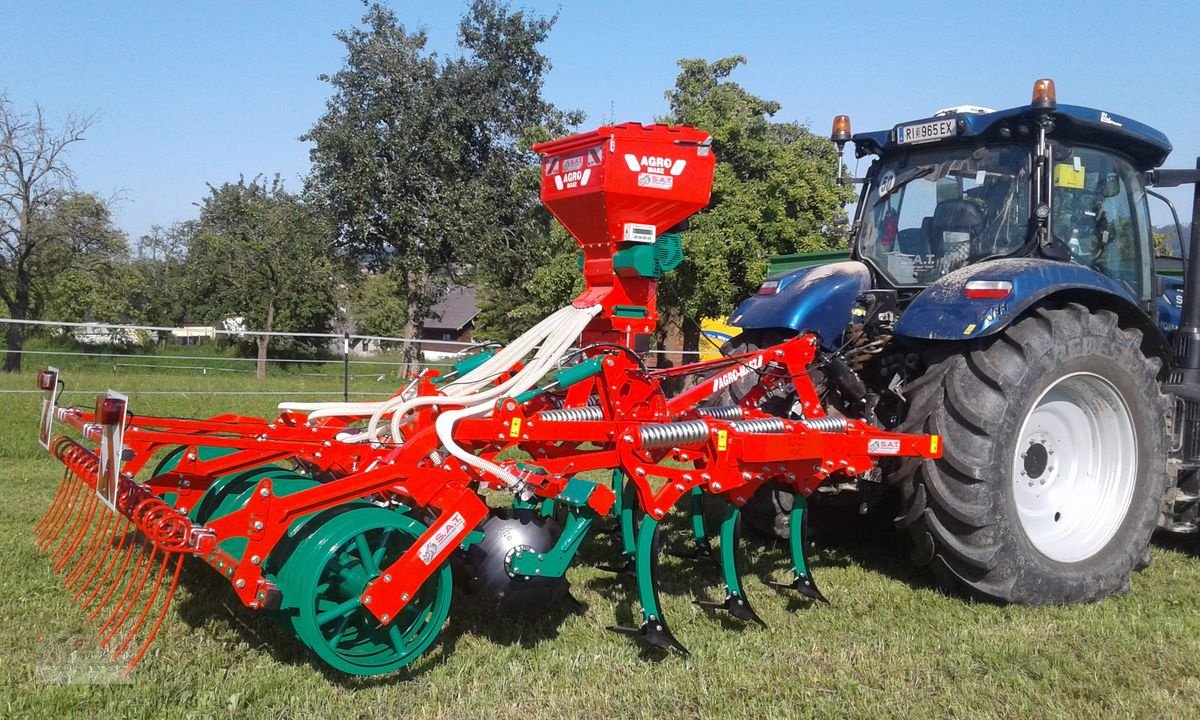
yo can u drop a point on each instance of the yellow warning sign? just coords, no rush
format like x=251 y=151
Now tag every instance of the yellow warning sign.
x=722 y=440
x=514 y=428
x=934 y=440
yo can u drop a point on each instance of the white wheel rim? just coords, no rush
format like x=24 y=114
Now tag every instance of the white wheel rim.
x=1075 y=467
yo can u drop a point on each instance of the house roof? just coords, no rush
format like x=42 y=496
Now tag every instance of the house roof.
x=454 y=311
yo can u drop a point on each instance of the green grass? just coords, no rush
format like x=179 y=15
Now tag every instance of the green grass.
x=888 y=646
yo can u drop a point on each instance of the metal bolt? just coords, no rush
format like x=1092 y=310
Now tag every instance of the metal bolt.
x=641 y=472
x=385 y=618
x=404 y=596
x=687 y=477
x=679 y=487
x=387 y=578
x=716 y=486
x=191 y=456
x=264 y=492
x=258 y=525
x=658 y=512
x=627 y=438
x=240 y=584
x=367 y=600
x=746 y=476
x=254 y=559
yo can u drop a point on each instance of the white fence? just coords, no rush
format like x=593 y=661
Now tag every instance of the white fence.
x=340 y=347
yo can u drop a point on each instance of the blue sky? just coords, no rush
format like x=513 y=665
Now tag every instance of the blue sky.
x=187 y=93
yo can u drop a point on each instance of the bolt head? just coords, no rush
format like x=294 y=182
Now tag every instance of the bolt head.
x=385 y=618
x=264 y=492
x=258 y=525
x=254 y=559
x=404 y=596
x=367 y=600
x=716 y=486
x=387 y=578
x=658 y=512
x=240 y=584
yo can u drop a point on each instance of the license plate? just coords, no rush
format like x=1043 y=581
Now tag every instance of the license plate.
x=927 y=131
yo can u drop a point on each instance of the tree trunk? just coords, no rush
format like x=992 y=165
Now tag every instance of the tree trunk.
x=691 y=344
x=412 y=350
x=16 y=333
x=263 y=342
x=16 y=338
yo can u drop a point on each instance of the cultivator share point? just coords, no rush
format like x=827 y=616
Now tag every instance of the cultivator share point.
x=343 y=519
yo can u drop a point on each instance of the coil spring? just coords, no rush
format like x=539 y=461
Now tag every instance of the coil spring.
x=574 y=414
x=664 y=435
x=829 y=423
x=722 y=412
x=760 y=425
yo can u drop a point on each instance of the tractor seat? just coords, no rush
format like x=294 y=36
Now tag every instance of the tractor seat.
x=954 y=229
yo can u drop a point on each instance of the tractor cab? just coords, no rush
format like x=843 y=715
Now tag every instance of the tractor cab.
x=1038 y=181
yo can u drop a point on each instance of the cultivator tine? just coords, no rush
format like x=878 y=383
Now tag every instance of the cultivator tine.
x=624 y=507
x=735 y=600
x=654 y=630
x=702 y=547
x=803 y=581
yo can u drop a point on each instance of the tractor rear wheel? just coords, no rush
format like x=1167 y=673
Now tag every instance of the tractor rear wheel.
x=1053 y=469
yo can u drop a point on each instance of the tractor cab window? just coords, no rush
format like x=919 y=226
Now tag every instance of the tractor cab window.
x=1100 y=214
x=930 y=212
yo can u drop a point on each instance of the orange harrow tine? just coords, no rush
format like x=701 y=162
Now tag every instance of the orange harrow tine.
x=40 y=528
x=109 y=560
x=146 y=520
x=137 y=625
x=161 y=615
x=130 y=549
x=75 y=535
x=103 y=528
x=69 y=523
x=55 y=528
x=140 y=570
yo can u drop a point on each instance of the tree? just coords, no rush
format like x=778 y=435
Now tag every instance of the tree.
x=262 y=254
x=34 y=178
x=159 y=264
x=418 y=160
x=92 y=278
x=774 y=192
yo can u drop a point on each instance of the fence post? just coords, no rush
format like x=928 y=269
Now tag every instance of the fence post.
x=346 y=367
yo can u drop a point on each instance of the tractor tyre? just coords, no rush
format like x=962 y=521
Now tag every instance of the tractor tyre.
x=1053 y=468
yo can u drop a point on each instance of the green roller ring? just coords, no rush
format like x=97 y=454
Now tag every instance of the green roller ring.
x=171 y=460
x=326 y=572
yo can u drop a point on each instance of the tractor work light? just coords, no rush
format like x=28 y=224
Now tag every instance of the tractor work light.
x=987 y=289
x=1043 y=94
x=841 y=129
x=46 y=380
x=109 y=410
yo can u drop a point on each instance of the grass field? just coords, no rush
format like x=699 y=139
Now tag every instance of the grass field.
x=889 y=645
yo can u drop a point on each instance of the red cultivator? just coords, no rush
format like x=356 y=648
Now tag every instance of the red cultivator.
x=343 y=518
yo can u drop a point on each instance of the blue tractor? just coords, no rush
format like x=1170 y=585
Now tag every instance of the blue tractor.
x=1001 y=292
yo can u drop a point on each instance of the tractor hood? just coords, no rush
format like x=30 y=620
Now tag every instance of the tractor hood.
x=814 y=299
